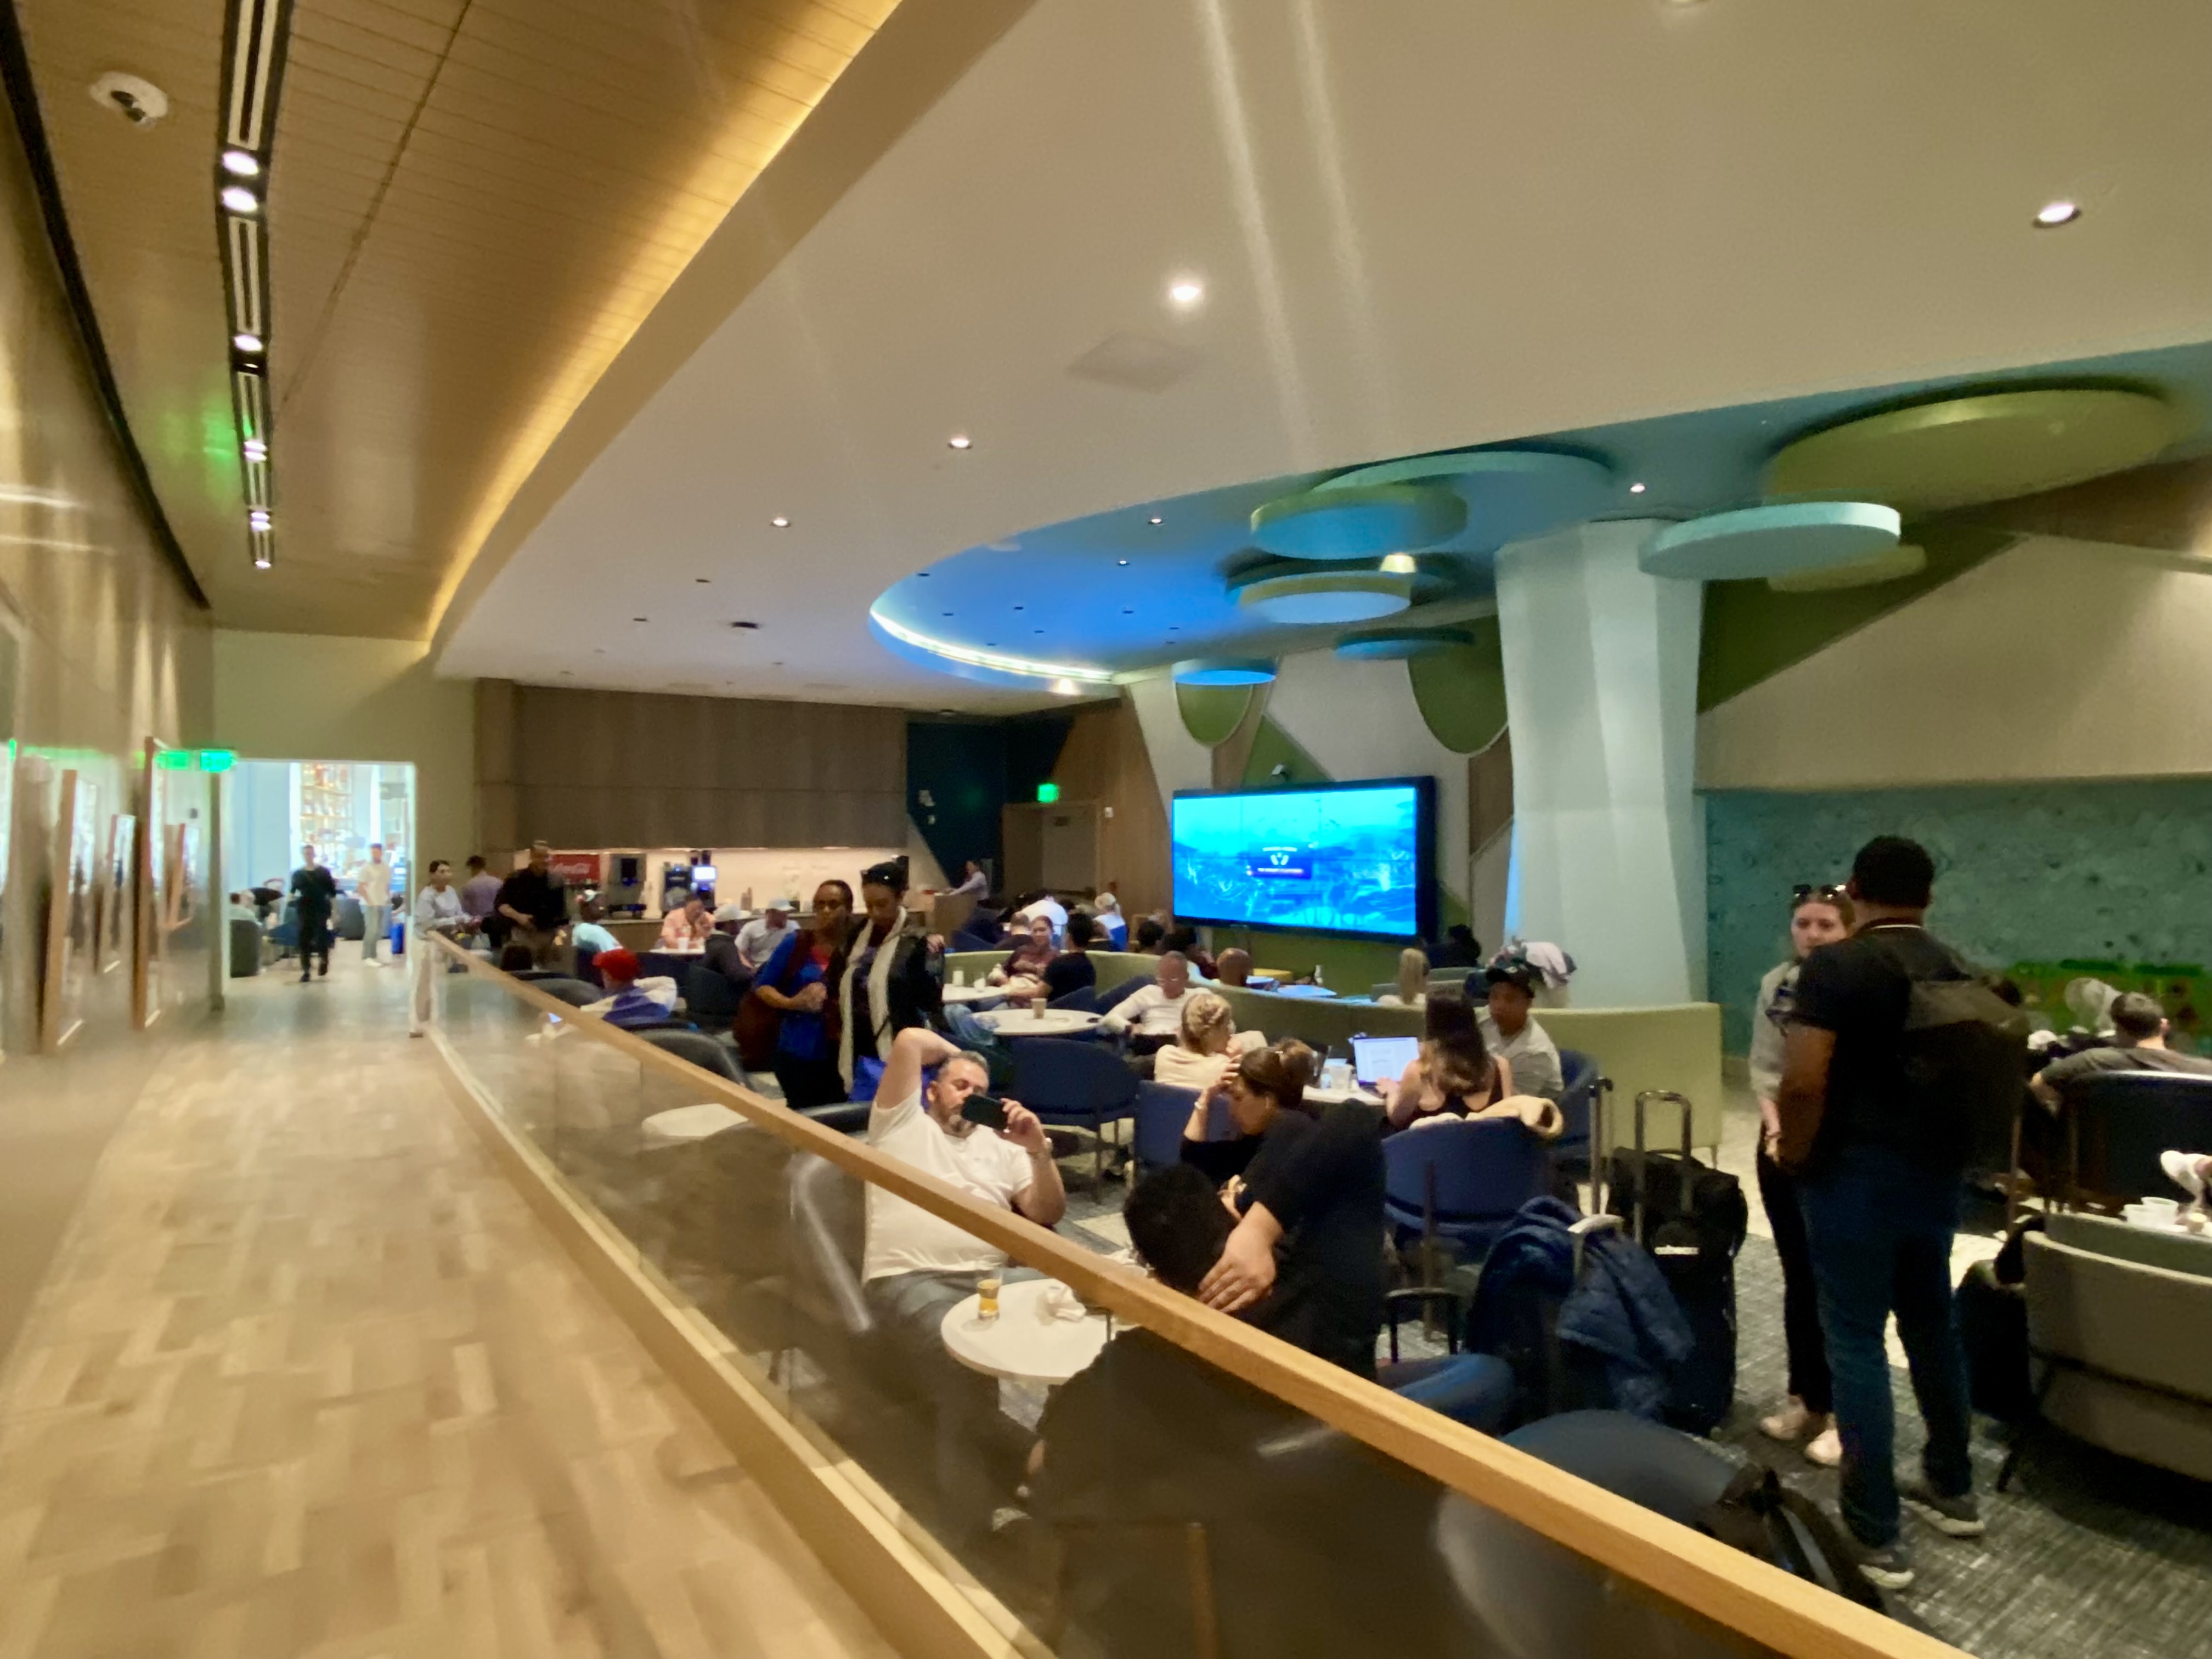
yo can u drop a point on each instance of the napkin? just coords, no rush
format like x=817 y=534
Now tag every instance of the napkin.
x=1059 y=1302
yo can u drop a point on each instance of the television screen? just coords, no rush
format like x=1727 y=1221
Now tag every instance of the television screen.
x=702 y=875
x=1346 y=857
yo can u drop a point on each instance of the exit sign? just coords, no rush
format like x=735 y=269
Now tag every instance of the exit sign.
x=218 y=760
x=1048 y=794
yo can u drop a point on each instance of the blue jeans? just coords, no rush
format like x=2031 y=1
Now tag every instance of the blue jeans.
x=1880 y=1228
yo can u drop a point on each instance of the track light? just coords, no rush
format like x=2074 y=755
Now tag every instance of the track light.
x=239 y=200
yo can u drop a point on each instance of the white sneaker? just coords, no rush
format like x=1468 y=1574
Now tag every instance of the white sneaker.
x=1792 y=1422
x=1825 y=1447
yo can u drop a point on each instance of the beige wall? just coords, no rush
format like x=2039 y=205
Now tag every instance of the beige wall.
x=101 y=647
x=623 y=768
x=2055 y=660
x=311 y=696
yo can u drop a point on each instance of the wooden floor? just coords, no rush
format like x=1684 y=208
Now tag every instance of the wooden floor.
x=306 y=1380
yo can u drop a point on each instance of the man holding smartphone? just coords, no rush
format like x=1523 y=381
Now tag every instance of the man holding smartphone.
x=916 y=1266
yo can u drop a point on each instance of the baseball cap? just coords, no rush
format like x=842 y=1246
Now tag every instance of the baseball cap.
x=618 y=966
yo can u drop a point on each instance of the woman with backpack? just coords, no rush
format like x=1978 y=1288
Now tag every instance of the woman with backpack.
x=1818 y=916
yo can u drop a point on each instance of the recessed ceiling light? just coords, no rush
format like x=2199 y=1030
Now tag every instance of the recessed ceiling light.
x=1636 y=489
x=2051 y=214
x=259 y=517
x=238 y=164
x=637 y=619
x=1186 y=291
x=1017 y=607
x=254 y=450
x=1158 y=520
x=959 y=440
x=239 y=200
x=780 y=522
x=1399 y=564
x=1127 y=612
x=947 y=613
x=247 y=342
x=1121 y=562
x=702 y=580
x=261 y=561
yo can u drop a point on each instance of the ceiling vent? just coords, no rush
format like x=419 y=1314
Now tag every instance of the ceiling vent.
x=1136 y=362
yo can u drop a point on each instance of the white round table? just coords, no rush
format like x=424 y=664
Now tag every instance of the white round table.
x=1302 y=991
x=1022 y=1344
x=969 y=995
x=1054 y=1022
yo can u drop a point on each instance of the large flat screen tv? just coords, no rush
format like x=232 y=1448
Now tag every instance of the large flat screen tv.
x=1355 y=859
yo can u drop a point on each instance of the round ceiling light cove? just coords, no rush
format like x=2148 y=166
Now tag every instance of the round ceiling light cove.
x=1356 y=524
x=1771 y=541
x=1958 y=451
x=1512 y=495
x=1403 y=647
x=1223 y=671
x=1304 y=598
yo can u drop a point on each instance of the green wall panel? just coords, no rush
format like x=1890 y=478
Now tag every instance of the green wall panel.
x=1211 y=712
x=1751 y=632
x=1461 y=691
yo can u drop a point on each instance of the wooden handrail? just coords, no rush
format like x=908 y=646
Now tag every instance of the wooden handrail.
x=1702 y=1574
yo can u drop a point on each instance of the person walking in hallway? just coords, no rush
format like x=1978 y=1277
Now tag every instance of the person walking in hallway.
x=372 y=889
x=315 y=892
x=437 y=910
x=534 y=903
x=1878 y=1162
x=1818 y=916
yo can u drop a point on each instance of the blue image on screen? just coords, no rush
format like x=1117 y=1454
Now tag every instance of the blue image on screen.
x=1330 y=860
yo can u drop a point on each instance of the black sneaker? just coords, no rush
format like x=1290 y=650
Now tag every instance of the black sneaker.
x=1954 y=1517
x=1887 y=1568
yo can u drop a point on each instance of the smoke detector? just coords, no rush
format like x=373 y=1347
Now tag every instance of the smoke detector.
x=136 y=99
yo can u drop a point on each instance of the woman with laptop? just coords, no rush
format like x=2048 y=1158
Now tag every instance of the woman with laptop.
x=1456 y=1076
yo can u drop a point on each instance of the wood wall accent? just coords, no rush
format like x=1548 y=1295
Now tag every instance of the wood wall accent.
x=1105 y=761
x=626 y=768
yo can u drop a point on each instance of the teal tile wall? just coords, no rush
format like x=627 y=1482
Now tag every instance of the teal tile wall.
x=2024 y=872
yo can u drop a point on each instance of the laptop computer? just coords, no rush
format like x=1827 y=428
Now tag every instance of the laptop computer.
x=1375 y=1059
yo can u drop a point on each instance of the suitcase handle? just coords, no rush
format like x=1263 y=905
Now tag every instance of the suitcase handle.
x=1642 y=1169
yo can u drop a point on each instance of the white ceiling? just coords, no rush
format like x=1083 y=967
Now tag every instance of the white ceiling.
x=1422 y=223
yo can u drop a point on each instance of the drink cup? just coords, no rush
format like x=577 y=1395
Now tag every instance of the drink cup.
x=986 y=1299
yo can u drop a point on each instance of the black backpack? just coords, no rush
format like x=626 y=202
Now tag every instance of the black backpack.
x=1964 y=1051
x=1760 y=1515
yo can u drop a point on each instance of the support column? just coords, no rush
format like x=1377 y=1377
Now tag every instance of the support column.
x=1601 y=691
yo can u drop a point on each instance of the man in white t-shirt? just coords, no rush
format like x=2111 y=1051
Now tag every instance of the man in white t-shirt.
x=916 y=1266
x=757 y=939
x=1151 y=1016
x=372 y=888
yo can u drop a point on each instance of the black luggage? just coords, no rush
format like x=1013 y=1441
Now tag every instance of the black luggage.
x=1693 y=1219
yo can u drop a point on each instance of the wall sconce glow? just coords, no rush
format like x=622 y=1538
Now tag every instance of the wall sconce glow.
x=959 y=440
x=247 y=342
x=1186 y=291
x=240 y=164
x=999 y=662
x=2051 y=214
x=780 y=522
x=239 y=200
x=1399 y=564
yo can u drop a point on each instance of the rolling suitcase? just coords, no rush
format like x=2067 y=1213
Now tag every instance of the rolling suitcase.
x=1693 y=1219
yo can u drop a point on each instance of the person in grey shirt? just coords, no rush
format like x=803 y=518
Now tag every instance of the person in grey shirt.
x=2138 y=1044
x=757 y=939
x=1508 y=1033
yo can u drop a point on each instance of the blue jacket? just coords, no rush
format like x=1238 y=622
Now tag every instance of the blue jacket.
x=1619 y=1312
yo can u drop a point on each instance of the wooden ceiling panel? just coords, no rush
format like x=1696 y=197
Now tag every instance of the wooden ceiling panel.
x=472 y=204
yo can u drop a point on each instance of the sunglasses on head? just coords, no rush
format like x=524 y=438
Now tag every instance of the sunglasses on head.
x=1829 y=893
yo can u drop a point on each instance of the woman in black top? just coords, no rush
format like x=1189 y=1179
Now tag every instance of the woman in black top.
x=1073 y=969
x=887 y=978
x=1307 y=1189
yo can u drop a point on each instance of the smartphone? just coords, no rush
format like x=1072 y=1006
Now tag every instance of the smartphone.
x=988 y=1110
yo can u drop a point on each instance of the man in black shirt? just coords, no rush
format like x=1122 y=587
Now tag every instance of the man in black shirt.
x=1879 y=1178
x=535 y=902
x=317 y=891
x=1073 y=969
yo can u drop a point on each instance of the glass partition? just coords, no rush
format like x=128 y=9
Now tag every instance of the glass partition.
x=1103 y=1467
